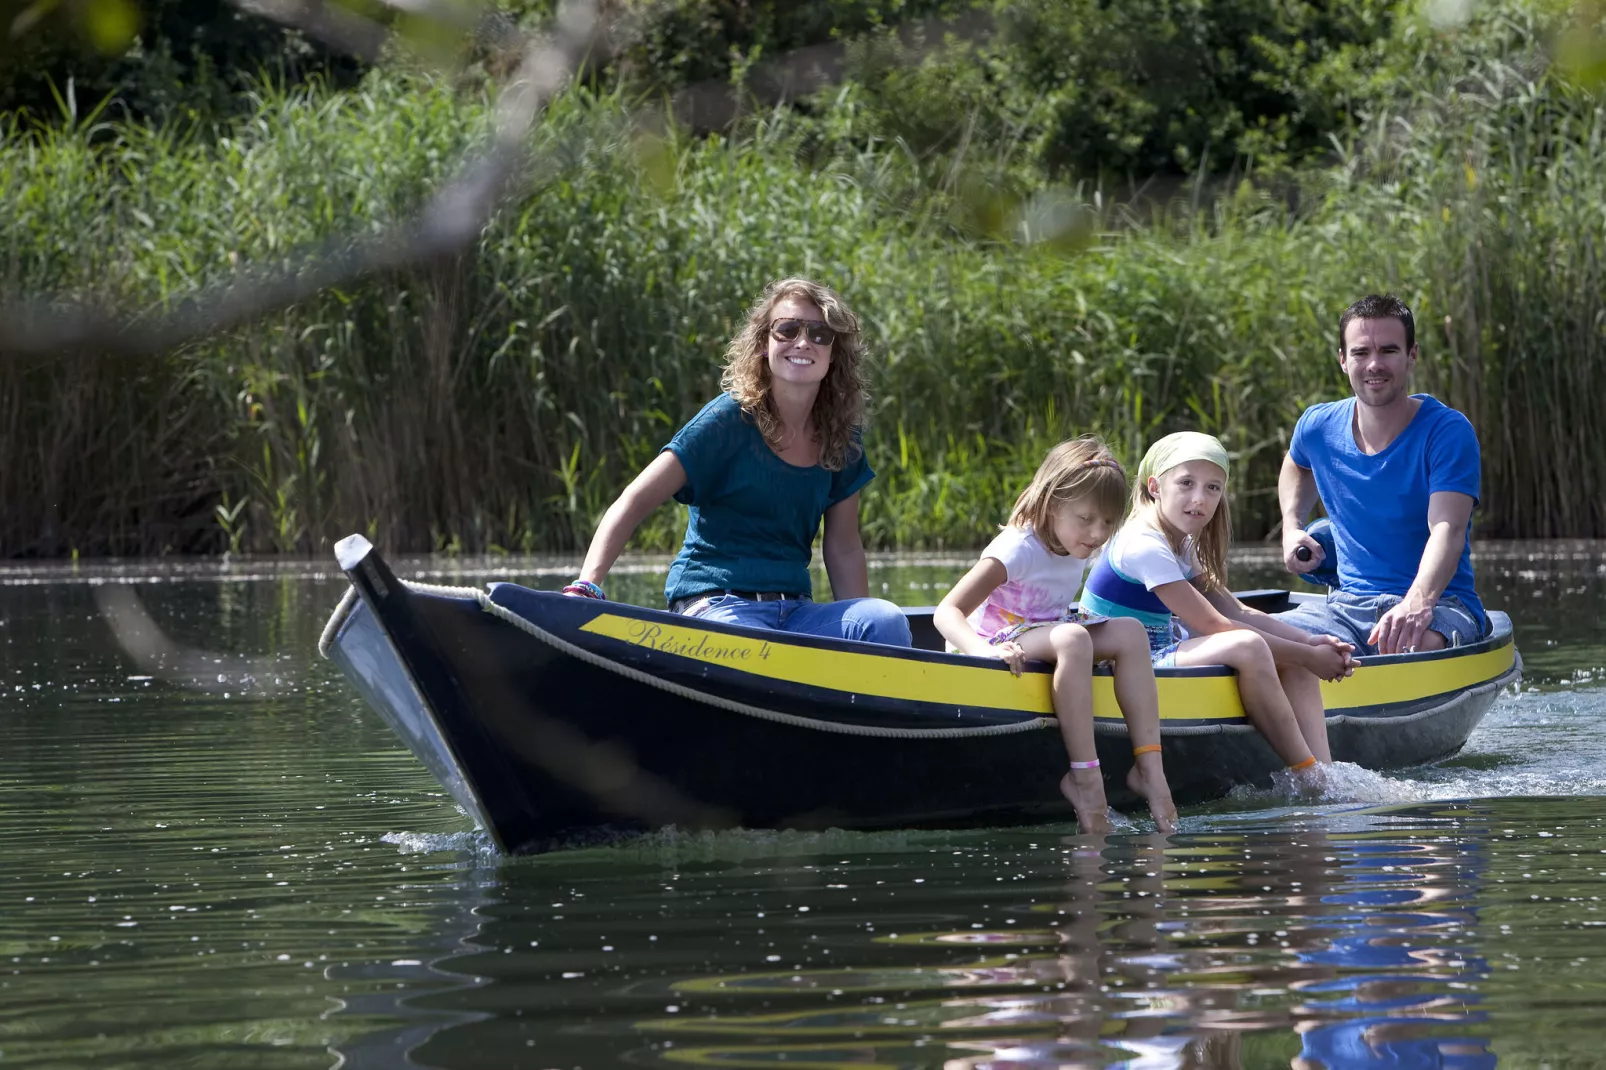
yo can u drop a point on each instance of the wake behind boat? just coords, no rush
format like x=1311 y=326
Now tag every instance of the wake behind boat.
x=556 y=721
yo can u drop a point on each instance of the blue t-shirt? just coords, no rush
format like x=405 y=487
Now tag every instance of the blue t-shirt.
x=1398 y=1040
x=1379 y=502
x=753 y=516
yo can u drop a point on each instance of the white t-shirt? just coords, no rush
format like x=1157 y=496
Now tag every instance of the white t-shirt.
x=1041 y=584
x=1143 y=554
x=1136 y=561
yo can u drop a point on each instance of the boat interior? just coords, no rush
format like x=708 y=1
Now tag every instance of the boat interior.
x=926 y=636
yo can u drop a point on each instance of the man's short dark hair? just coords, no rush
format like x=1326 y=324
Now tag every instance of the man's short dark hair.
x=1378 y=307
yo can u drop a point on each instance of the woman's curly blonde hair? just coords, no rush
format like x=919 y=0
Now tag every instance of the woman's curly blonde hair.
x=839 y=407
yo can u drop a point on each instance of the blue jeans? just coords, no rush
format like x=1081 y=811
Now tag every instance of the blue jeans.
x=1351 y=617
x=868 y=620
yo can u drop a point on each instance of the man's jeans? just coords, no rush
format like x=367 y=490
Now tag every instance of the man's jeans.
x=1351 y=617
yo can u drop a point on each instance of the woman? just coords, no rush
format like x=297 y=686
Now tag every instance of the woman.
x=760 y=466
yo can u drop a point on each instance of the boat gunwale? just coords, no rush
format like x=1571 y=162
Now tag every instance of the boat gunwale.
x=1498 y=638
x=889 y=707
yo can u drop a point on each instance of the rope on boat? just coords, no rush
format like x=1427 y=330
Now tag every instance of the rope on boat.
x=336 y=619
x=680 y=690
x=731 y=705
x=1244 y=727
x=349 y=599
x=1503 y=680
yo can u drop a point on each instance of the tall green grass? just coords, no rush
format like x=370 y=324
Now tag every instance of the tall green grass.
x=1499 y=196
x=500 y=399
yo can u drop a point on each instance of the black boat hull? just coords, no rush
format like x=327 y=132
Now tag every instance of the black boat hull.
x=557 y=721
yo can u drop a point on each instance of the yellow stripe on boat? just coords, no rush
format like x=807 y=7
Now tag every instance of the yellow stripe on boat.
x=1407 y=681
x=839 y=670
x=1181 y=698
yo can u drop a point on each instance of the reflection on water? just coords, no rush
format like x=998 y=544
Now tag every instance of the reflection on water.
x=1364 y=944
x=261 y=878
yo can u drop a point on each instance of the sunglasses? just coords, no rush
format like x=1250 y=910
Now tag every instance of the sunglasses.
x=819 y=332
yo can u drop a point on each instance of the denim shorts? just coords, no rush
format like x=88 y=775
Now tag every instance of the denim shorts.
x=1165 y=657
x=1015 y=631
x=1164 y=639
x=1351 y=617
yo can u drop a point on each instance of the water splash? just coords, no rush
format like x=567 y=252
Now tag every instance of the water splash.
x=475 y=844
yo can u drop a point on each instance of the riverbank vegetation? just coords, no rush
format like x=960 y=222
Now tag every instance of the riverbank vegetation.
x=1019 y=282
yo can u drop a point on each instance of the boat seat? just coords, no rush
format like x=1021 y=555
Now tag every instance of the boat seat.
x=926 y=637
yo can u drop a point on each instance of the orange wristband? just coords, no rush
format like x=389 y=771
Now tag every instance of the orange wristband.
x=1306 y=764
x=1150 y=748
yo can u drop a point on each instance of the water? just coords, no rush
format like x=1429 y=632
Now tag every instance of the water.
x=246 y=871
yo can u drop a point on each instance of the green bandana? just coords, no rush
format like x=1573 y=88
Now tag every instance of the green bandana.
x=1180 y=448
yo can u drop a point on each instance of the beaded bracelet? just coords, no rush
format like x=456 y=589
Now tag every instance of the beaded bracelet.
x=585 y=589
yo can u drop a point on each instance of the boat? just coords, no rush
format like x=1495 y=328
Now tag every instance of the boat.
x=559 y=721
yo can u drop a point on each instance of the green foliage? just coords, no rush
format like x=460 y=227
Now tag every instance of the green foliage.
x=1115 y=93
x=1494 y=192
x=675 y=43
x=502 y=398
x=181 y=62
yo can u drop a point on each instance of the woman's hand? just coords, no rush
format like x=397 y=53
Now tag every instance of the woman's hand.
x=1331 y=658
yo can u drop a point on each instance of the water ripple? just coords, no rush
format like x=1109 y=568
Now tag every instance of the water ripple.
x=211 y=879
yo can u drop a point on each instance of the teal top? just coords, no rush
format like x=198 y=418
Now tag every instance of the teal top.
x=753 y=517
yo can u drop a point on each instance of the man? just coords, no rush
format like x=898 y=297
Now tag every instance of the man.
x=1398 y=474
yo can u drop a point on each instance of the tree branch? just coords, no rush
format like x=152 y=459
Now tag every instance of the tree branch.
x=449 y=221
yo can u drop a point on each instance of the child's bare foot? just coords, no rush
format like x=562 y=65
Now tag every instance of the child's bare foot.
x=1147 y=778
x=1084 y=790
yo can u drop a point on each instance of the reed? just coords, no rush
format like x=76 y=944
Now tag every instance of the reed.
x=500 y=399
x=1505 y=220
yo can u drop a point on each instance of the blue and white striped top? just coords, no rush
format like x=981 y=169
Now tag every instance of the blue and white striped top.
x=1124 y=577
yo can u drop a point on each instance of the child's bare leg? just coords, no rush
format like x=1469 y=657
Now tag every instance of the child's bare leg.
x=1125 y=642
x=1258 y=686
x=1070 y=648
x=1304 y=693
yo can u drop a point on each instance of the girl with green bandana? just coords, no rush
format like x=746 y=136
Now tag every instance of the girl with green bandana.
x=1167 y=567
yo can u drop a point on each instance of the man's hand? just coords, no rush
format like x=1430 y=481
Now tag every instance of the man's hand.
x=1293 y=539
x=1331 y=658
x=1405 y=627
x=1296 y=497
x=1010 y=654
x=1400 y=630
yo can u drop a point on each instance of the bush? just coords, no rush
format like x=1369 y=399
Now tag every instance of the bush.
x=676 y=43
x=502 y=398
x=1113 y=94
x=183 y=62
